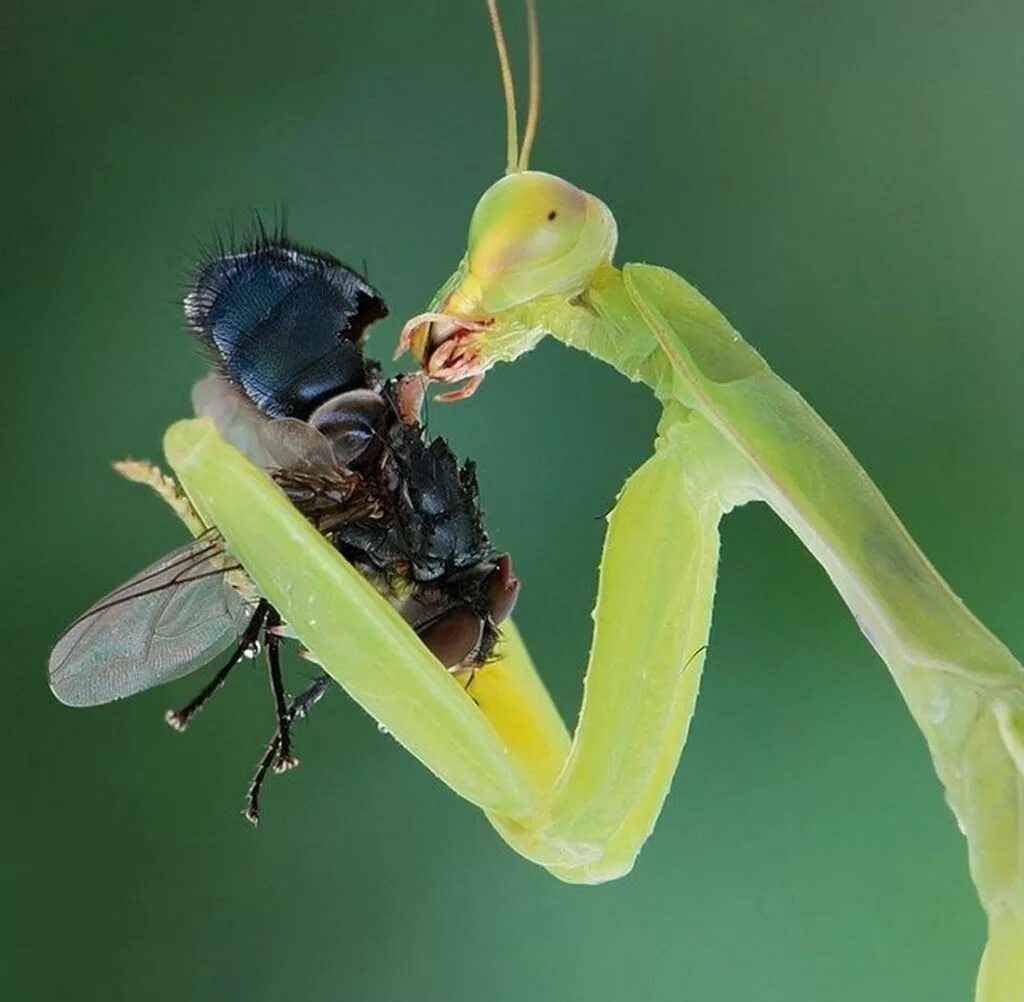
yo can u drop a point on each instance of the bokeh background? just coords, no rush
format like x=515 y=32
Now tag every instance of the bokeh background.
x=844 y=180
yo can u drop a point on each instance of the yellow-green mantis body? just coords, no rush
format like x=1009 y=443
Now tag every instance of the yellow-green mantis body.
x=539 y=263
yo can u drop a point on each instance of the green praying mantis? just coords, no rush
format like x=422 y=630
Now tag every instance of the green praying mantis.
x=539 y=263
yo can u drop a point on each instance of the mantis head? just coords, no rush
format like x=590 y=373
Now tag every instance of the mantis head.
x=532 y=235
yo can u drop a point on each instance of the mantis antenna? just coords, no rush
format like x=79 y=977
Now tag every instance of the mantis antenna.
x=509 y=87
x=518 y=159
x=533 y=112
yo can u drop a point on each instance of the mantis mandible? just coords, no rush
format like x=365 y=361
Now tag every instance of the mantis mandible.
x=539 y=263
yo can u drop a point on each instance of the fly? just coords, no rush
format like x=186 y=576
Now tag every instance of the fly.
x=284 y=327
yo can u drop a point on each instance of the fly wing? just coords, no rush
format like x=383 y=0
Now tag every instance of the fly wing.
x=272 y=443
x=235 y=416
x=167 y=621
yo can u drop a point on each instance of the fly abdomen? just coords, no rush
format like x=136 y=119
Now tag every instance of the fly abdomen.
x=284 y=324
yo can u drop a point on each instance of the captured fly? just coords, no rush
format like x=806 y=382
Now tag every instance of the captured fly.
x=284 y=328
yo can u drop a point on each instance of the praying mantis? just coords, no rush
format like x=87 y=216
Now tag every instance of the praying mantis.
x=539 y=263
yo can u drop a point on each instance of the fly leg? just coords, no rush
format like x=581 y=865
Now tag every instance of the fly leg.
x=180 y=719
x=298 y=708
x=285 y=760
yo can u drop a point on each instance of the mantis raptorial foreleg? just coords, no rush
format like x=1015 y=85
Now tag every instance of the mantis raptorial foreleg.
x=582 y=812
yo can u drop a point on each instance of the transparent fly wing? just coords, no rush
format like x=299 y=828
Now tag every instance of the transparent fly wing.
x=272 y=443
x=290 y=444
x=235 y=416
x=167 y=621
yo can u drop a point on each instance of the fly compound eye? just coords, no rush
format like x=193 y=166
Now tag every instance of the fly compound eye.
x=454 y=636
x=351 y=422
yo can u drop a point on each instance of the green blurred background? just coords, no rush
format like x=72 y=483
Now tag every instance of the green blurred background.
x=842 y=179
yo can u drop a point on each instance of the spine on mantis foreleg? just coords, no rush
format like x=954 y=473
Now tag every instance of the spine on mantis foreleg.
x=963 y=687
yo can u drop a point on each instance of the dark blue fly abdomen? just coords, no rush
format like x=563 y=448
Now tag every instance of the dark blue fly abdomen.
x=284 y=324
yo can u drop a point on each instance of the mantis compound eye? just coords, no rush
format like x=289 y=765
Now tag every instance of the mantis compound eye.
x=532 y=234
